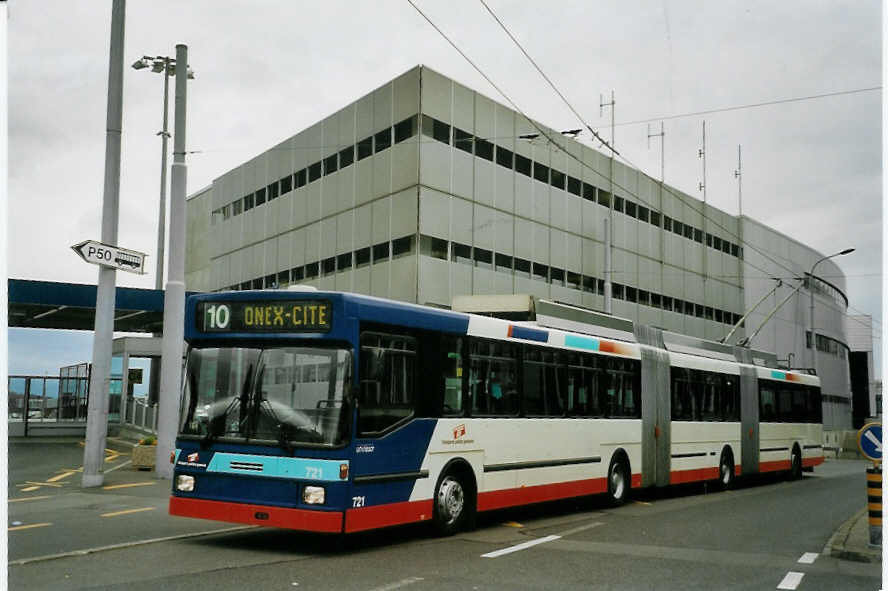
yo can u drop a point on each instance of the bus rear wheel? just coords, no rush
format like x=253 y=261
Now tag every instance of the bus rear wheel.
x=795 y=464
x=451 y=505
x=726 y=470
x=618 y=481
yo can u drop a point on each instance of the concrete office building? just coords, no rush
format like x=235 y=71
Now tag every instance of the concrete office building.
x=425 y=189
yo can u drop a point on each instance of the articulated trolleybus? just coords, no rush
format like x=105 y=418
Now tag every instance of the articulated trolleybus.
x=335 y=412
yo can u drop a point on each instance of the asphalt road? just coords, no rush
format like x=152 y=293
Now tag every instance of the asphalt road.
x=682 y=538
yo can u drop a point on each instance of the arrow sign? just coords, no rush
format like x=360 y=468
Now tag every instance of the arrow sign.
x=869 y=439
x=106 y=255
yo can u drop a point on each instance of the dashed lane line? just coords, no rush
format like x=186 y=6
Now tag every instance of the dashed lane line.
x=519 y=547
x=808 y=558
x=127 y=485
x=399 y=584
x=31 y=526
x=127 y=512
x=791 y=581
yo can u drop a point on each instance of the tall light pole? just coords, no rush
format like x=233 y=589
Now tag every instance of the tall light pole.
x=174 y=295
x=167 y=66
x=811 y=290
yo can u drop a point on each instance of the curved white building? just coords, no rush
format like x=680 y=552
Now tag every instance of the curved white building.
x=424 y=190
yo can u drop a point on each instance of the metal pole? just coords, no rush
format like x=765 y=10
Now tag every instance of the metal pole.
x=164 y=136
x=97 y=413
x=161 y=220
x=174 y=298
x=608 y=286
x=4 y=227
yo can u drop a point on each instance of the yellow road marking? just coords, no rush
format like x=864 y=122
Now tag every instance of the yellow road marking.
x=131 y=484
x=642 y=503
x=18 y=527
x=30 y=488
x=20 y=499
x=39 y=484
x=60 y=476
x=128 y=511
x=512 y=524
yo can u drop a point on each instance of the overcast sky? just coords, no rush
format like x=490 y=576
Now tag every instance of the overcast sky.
x=266 y=70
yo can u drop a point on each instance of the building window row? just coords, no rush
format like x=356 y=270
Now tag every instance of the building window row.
x=480 y=257
x=827 y=344
x=481 y=148
x=826 y=289
x=334 y=162
x=378 y=253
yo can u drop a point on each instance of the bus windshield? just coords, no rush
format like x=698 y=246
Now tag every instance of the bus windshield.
x=292 y=395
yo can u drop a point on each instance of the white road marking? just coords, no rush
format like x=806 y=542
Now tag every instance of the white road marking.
x=791 y=581
x=518 y=547
x=808 y=557
x=118 y=466
x=575 y=530
x=396 y=584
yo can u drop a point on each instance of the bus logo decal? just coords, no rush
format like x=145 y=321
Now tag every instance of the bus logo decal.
x=459 y=431
x=193 y=457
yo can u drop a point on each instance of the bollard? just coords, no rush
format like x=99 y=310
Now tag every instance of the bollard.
x=874 y=504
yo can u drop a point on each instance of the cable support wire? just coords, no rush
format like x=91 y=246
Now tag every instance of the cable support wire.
x=701 y=212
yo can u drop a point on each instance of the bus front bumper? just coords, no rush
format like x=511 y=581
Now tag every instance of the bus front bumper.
x=269 y=516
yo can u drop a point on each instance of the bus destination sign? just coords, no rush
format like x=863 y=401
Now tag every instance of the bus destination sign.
x=265 y=316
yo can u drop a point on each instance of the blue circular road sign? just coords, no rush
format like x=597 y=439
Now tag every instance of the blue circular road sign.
x=869 y=439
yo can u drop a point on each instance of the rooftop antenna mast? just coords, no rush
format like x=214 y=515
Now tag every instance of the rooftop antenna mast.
x=702 y=154
x=738 y=174
x=608 y=225
x=662 y=136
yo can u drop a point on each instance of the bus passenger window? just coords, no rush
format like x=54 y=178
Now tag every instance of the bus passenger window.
x=387 y=381
x=452 y=375
x=492 y=383
x=767 y=404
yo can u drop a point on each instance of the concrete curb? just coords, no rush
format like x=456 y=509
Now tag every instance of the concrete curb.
x=849 y=542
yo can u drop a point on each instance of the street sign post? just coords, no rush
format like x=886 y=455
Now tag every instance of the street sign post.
x=869 y=440
x=106 y=255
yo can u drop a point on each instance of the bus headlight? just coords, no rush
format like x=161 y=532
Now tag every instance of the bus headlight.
x=313 y=495
x=185 y=483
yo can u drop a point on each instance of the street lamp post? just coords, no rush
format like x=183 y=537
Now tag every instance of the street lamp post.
x=811 y=290
x=167 y=65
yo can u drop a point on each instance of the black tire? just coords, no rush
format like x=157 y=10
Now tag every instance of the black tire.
x=452 y=504
x=618 y=481
x=795 y=464
x=726 y=470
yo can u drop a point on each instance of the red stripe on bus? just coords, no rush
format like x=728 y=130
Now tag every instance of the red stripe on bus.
x=301 y=519
x=806 y=462
x=387 y=515
x=774 y=466
x=682 y=476
x=526 y=495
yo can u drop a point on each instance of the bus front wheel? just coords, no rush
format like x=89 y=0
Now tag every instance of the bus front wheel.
x=451 y=505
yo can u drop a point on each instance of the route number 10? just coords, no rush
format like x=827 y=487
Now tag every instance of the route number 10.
x=217 y=316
